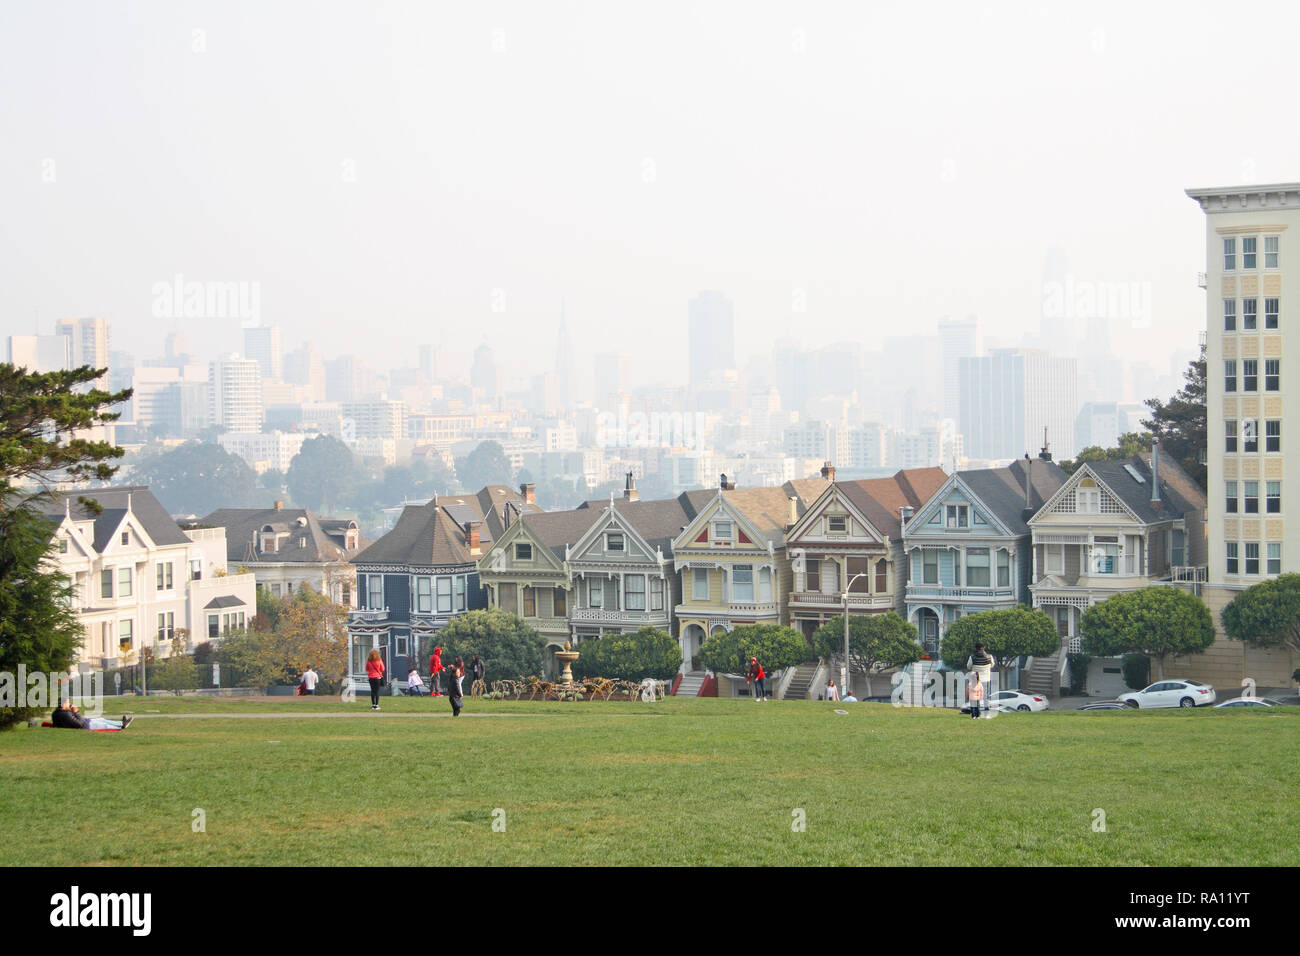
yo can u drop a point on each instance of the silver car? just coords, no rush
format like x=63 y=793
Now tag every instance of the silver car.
x=1171 y=693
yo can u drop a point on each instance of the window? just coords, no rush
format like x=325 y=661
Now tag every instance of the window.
x=444 y=595
x=1229 y=254
x=1055 y=558
x=124 y=582
x=523 y=552
x=699 y=584
x=765 y=585
x=1230 y=375
x=462 y=582
x=957 y=516
x=1088 y=501
x=214 y=625
x=270 y=543
x=375 y=591
x=106 y=583
x=530 y=600
x=423 y=595
x=1270 y=313
x=1250 y=375
x=1252 y=557
x=508 y=597
x=1231 y=552
x=1229 y=315
x=742 y=582
x=196 y=569
x=1004 y=568
x=722 y=532
x=882 y=576
x=1104 y=557
x=126 y=537
x=595 y=593
x=1249 y=435
x=561 y=602
x=858 y=566
x=399 y=645
x=813 y=574
x=977 y=567
x=1252 y=498
x=1273 y=499
x=614 y=542
x=1273 y=434
x=1230 y=431
x=1248 y=244
x=1248 y=314
x=930 y=566
x=125 y=634
x=634 y=592
x=656 y=594
x=837 y=524
x=275 y=589
x=166 y=626
x=1230 y=498
x=347 y=594
x=1274 y=559
x=1272 y=374
x=164 y=577
x=1177 y=546
x=1270 y=252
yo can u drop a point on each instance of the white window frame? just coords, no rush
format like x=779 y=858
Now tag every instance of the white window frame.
x=634 y=592
x=699 y=584
x=1271 y=251
x=374 y=586
x=656 y=594
x=595 y=593
x=737 y=583
x=523 y=551
x=442 y=592
x=843 y=522
x=613 y=536
x=423 y=595
x=1054 y=558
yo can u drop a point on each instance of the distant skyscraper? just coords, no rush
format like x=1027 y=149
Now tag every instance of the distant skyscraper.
x=563 y=364
x=305 y=366
x=429 y=363
x=235 y=394
x=87 y=344
x=262 y=344
x=712 y=336
x=176 y=345
x=1009 y=397
x=39 y=353
x=958 y=339
x=1057 y=324
x=610 y=379
x=483 y=375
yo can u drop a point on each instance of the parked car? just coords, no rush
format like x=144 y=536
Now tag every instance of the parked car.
x=1250 y=702
x=1105 y=705
x=1015 y=700
x=1171 y=693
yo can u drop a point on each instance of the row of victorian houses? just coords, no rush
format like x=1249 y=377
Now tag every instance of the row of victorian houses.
x=930 y=546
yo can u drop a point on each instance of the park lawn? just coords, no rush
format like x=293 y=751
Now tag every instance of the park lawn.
x=683 y=782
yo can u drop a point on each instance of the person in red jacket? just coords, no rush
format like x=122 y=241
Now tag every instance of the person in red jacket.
x=375 y=671
x=435 y=668
x=757 y=679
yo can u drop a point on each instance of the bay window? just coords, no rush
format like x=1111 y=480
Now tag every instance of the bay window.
x=634 y=592
x=977 y=567
x=742 y=582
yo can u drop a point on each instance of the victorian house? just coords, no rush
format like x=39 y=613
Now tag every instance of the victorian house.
x=847 y=548
x=968 y=546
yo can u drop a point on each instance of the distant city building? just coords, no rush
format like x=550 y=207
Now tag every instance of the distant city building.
x=610 y=379
x=305 y=366
x=262 y=344
x=235 y=394
x=1099 y=424
x=40 y=353
x=264 y=451
x=712 y=336
x=88 y=344
x=1009 y=397
x=483 y=374
x=380 y=418
x=958 y=339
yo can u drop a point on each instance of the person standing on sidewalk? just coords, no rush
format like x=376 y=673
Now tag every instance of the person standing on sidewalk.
x=375 y=672
x=757 y=679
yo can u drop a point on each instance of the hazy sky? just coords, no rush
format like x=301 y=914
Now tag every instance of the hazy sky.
x=381 y=170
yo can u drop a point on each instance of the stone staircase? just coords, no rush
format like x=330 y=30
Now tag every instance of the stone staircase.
x=691 y=684
x=1043 y=674
x=799 y=684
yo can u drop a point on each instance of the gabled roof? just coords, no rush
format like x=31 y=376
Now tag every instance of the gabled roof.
x=657 y=520
x=434 y=534
x=325 y=537
x=559 y=529
x=880 y=499
x=148 y=511
x=1002 y=490
x=1119 y=479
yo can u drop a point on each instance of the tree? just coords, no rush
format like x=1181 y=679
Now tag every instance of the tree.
x=507 y=646
x=312 y=632
x=198 y=478
x=776 y=647
x=323 y=474
x=251 y=658
x=649 y=652
x=1156 y=621
x=1006 y=633
x=177 y=673
x=1130 y=444
x=1180 y=424
x=877 y=642
x=486 y=465
x=1266 y=614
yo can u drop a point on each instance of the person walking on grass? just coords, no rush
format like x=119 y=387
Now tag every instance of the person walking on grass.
x=375 y=672
x=974 y=693
x=309 y=680
x=455 y=674
x=477 y=669
x=435 y=669
x=831 y=692
x=982 y=661
x=757 y=679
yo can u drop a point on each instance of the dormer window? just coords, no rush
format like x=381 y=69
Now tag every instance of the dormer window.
x=614 y=542
x=837 y=524
x=63 y=546
x=958 y=516
x=269 y=543
x=126 y=537
x=523 y=552
x=722 y=532
x=1088 y=498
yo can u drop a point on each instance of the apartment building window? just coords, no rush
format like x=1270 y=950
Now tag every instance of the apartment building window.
x=595 y=593
x=523 y=552
x=1249 y=435
x=462 y=583
x=1230 y=498
x=1274 y=558
x=561 y=602
x=375 y=592
x=836 y=524
x=1270 y=313
x=656 y=594
x=1229 y=254
x=125 y=634
x=1229 y=315
x=742 y=582
x=275 y=589
x=634 y=592
x=1004 y=568
x=1248 y=314
x=1252 y=498
x=106 y=583
x=1270 y=252
x=530 y=602
x=977 y=567
x=123 y=582
x=400 y=646
x=1252 y=557
x=196 y=569
x=1231 y=553
x=214 y=625
x=858 y=566
x=166 y=626
x=1230 y=375
x=1248 y=246
x=930 y=566
x=423 y=595
x=813 y=574
x=699 y=584
x=164 y=577
x=444 y=595
x=1273 y=434
x=1250 y=375
x=1273 y=497
x=614 y=542
x=1230 y=431
x=1272 y=374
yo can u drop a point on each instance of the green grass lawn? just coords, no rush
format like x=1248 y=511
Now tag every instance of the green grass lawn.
x=677 y=782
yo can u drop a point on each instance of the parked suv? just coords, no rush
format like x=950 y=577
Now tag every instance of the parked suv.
x=1171 y=693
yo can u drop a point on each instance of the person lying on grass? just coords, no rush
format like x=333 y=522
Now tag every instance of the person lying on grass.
x=67 y=716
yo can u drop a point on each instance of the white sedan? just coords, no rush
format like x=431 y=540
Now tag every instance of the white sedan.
x=1171 y=693
x=1015 y=700
x=1250 y=702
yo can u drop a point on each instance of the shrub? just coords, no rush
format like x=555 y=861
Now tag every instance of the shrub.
x=776 y=648
x=1137 y=670
x=507 y=646
x=649 y=652
x=1079 y=673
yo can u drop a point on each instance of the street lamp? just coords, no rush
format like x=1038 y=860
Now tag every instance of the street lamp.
x=844 y=672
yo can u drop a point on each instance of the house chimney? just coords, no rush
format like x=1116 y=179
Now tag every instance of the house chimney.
x=529 y=491
x=726 y=485
x=279 y=506
x=1155 y=475
x=905 y=515
x=794 y=509
x=828 y=471
x=472 y=537
x=1045 y=454
x=629 y=488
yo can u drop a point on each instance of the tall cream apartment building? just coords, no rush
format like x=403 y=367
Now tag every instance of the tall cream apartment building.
x=1252 y=283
